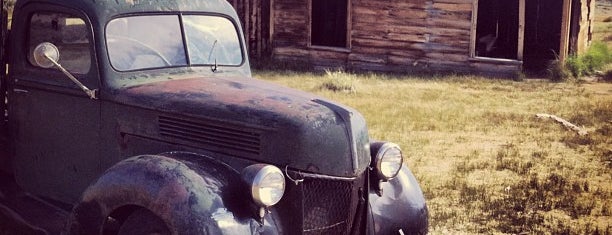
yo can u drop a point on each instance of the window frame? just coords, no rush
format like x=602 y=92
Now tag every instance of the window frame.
x=520 y=37
x=348 y=44
x=50 y=77
x=89 y=38
x=565 y=28
x=184 y=39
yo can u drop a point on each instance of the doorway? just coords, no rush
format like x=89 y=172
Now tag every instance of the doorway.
x=543 y=20
x=531 y=32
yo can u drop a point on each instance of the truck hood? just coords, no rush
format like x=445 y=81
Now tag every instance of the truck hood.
x=256 y=120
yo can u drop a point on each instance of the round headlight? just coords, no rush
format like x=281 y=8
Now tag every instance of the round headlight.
x=266 y=182
x=389 y=161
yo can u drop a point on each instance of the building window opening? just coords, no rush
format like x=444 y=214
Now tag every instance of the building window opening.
x=329 y=23
x=497 y=29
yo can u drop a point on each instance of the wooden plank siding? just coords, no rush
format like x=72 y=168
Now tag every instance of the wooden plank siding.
x=390 y=35
x=255 y=19
x=385 y=35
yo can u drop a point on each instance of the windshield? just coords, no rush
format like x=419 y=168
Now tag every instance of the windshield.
x=156 y=41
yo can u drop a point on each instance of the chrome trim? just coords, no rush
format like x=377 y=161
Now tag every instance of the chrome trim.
x=254 y=176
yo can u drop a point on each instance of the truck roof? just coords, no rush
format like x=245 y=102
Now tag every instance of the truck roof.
x=107 y=9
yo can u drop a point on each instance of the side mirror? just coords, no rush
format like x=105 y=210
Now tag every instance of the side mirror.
x=46 y=55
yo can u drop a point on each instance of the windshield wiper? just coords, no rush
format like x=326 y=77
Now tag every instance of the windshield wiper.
x=212 y=50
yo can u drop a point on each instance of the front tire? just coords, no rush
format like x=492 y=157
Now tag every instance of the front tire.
x=143 y=222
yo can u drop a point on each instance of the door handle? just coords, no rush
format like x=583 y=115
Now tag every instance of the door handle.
x=20 y=90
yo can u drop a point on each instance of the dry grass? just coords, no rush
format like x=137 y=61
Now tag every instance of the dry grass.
x=486 y=164
x=603 y=22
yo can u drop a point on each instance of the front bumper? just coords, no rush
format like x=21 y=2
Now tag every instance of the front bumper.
x=315 y=204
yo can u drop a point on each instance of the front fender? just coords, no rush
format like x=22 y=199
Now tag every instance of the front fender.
x=401 y=207
x=192 y=194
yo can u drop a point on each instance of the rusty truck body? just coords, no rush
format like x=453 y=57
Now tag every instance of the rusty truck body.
x=141 y=117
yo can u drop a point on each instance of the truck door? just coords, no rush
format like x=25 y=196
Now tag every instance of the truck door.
x=55 y=124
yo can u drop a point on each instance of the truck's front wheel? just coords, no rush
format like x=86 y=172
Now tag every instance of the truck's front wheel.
x=143 y=222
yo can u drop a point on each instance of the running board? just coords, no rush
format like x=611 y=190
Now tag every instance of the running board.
x=22 y=213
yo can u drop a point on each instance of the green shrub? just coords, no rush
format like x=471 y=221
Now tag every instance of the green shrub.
x=595 y=59
x=576 y=66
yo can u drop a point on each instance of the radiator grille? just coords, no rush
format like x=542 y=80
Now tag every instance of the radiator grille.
x=216 y=135
x=328 y=207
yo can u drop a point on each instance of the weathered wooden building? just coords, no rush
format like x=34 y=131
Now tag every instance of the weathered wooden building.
x=482 y=36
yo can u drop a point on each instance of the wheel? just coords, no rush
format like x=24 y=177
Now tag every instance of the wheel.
x=143 y=222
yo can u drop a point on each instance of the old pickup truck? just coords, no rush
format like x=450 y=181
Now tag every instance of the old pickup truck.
x=141 y=117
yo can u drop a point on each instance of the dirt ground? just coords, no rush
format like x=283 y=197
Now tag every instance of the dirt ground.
x=599 y=88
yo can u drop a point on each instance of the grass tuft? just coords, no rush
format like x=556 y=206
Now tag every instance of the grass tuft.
x=608 y=76
x=558 y=72
x=339 y=81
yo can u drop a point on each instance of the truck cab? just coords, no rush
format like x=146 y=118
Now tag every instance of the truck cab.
x=141 y=117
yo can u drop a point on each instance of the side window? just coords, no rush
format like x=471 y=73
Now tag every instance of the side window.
x=69 y=33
